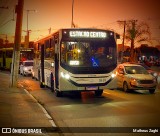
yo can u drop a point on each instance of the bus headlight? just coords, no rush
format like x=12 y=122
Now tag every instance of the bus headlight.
x=113 y=75
x=66 y=76
x=62 y=74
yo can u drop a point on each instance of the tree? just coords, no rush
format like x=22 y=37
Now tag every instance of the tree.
x=136 y=33
x=149 y=50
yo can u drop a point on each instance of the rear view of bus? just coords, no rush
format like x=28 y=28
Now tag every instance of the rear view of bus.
x=84 y=60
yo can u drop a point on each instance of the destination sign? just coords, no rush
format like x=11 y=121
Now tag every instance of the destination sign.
x=88 y=34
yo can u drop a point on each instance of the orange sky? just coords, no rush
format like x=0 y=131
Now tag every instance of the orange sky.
x=87 y=13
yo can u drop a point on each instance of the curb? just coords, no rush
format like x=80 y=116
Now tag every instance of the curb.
x=50 y=119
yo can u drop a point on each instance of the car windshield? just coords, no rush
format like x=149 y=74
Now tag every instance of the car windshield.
x=135 y=70
x=145 y=66
x=28 y=64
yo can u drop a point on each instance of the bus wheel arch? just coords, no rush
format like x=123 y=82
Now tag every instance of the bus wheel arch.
x=58 y=93
x=52 y=82
x=41 y=85
x=99 y=92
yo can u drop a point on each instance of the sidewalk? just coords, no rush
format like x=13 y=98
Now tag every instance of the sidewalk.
x=19 y=109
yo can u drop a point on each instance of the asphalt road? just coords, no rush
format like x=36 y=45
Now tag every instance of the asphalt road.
x=92 y=115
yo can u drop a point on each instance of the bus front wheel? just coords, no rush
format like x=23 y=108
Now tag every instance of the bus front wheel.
x=57 y=93
x=52 y=82
x=41 y=85
x=98 y=92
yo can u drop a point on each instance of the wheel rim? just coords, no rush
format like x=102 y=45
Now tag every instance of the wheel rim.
x=125 y=87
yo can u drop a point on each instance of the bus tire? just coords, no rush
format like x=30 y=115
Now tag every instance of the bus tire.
x=52 y=83
x=77 y=93
x=57 y=93
x=41 y=85
x=38 y=75
x=98 y=92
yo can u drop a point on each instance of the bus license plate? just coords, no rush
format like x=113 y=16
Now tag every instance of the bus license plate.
x=92 y=88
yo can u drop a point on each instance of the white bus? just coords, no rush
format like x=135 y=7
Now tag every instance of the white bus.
x=79 y=60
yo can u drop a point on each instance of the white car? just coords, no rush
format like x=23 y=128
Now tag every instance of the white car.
x=35 y=70
x=135 y=77
x=25 y=67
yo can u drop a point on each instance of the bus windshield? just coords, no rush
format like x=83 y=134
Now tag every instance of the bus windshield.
x=88 y=54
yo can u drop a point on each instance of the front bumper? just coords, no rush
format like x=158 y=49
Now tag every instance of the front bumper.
x=27 y=72
x=143 y=86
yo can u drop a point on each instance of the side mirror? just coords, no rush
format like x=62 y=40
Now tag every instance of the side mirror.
x=121 y=72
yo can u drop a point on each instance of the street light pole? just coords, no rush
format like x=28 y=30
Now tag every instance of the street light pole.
x=72 y=23
x=29 y=10
x=27 y=37
x=27 y=20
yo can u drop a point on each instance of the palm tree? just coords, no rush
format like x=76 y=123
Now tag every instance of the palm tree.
x=136 y=33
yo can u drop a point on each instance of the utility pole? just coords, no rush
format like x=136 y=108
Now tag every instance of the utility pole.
x=133 y=30
x=124 y=31
x=49 y=30
x=17 y=44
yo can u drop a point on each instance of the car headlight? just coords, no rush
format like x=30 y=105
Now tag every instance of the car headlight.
x=25 y=69
x=134 y=81
x=155 y=74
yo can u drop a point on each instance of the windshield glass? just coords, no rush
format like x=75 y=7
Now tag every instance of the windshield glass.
x=28 y=64
x=135 y=70
x=100 y=53
x=145 y=66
